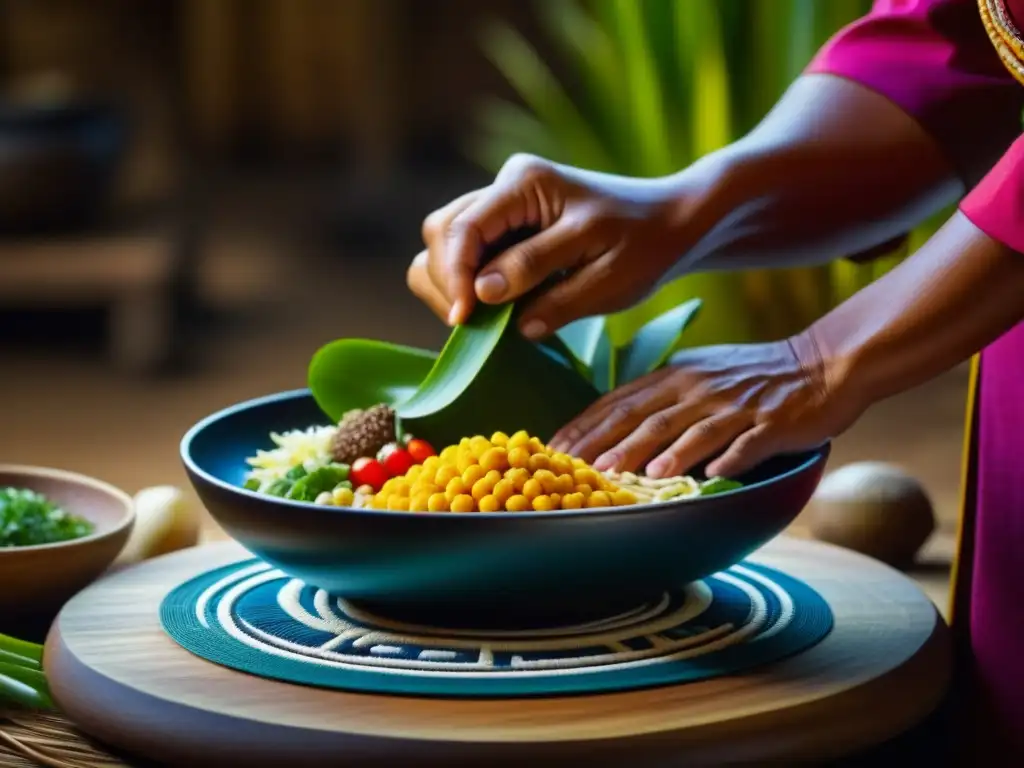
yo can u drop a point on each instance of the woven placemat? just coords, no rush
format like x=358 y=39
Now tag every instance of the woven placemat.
x=30 y=740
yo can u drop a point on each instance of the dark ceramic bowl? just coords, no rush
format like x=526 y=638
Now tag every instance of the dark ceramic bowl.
x=510 y=568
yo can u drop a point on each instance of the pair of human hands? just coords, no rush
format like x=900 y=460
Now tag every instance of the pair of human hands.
x=610 y=240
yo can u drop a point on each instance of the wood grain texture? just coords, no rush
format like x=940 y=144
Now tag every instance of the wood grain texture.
x=884 y=668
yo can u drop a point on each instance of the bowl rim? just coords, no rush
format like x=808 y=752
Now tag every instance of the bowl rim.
x=819 y=455
x=74 y=478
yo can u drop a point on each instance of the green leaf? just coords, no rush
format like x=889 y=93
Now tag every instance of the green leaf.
x=489 y=378
x=468 y=348
x=539 y=88
x=652 y=344
x=644 y=87
x=583 y=337
x=24 y=687
x=23 y=648
x=718 y=485
x=589 y=340
x=555 y=344
x=359 y=373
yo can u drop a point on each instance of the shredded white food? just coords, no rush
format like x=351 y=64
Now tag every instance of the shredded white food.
x=310 y=447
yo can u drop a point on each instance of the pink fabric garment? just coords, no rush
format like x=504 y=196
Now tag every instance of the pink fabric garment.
x=934 y=59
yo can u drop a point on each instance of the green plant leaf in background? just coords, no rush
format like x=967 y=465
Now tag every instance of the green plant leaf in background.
x=360 y=373
x=540 y=89
x=656 y=341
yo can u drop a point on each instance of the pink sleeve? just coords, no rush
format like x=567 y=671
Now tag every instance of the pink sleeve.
x=996 y=205
x=934 y=59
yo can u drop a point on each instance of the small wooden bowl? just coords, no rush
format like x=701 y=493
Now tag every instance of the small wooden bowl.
x=39 y=579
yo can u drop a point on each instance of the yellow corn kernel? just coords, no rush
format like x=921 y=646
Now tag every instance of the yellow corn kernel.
x=586 y=476
x=623 y=498
x=494 y=476
x=499 y=439
x=519 y=458
x=379 y=501
x=547 y=480
x=482 y=487
x=532 y=489
x=503 y=490
x=564 y=484
x=519 y=440
x=389 y=485
x=518 y=503
x=561 y=464
x=573 y=501
x=578 y=462
x=466 y=460
x=584 y=489
x=472 y=474
x=398 y=504
x=464 y=443
x=431 y=464
x=414 y=472
x=462 y=503
x=495 y=458
x=538 y=462
x=420 y=502
x=343 y=497
x=535 y=445
x=543 y=503
x=489 y=503
x=556 y=500
x=438 y=502
x=427 y=488
x=599 y=499
x=449 y=454
x=445 y=475
x=456 y=487
x=518 y=476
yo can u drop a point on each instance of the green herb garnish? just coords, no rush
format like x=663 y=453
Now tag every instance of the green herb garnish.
x=718 y=485
x=28 y=518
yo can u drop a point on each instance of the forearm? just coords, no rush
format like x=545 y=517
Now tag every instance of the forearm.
x=957 y=294
x=833 y=170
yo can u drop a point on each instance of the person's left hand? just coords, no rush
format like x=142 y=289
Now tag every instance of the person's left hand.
x=746 y=402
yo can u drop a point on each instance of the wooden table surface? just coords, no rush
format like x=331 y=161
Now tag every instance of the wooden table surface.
x=883 y=669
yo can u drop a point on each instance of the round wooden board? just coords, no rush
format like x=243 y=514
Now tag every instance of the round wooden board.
x=883 y=669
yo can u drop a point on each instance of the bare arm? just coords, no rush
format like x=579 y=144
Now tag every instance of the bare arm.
x=834 y=169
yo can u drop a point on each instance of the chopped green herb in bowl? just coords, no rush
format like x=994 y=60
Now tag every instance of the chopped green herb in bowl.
x=28 y=518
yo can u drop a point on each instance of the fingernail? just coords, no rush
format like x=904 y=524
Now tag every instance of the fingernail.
x=534 y=329
x=658 y=468
x=606 y=461
x=491 y=287
x=455 y=313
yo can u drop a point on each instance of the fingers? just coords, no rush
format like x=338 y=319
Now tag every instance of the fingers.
x=746 y=452
x=569 y=436
x=418 y=279
x=526 y=265
x=581 y=294
x=484 y=220
x=704 y=438
x=435 y=227
x=655 y=432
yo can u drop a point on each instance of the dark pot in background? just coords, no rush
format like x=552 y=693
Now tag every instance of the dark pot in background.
x=58 y=164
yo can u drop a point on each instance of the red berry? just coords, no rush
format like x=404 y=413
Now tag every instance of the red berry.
x=367 y=471
x=396 y=460
x=420 y=450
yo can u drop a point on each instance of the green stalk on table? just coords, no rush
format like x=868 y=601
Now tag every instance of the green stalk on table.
x=22 y=681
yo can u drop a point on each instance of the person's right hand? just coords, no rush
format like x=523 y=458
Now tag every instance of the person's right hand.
x=609 y=238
